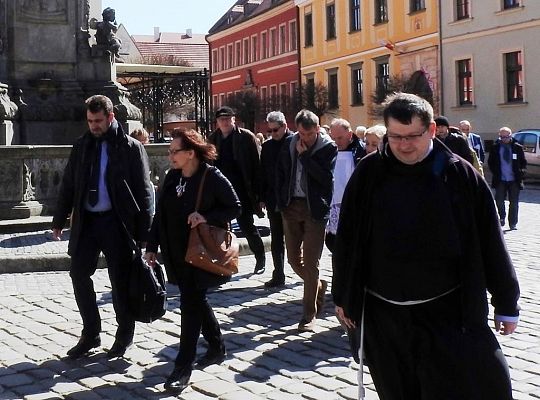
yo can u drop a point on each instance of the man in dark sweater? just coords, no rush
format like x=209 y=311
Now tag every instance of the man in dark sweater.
x=455 y=142
x=418 y=244
x=278 y=131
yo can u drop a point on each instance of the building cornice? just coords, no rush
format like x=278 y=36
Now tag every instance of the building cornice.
x=491 y=31
x=371 y=51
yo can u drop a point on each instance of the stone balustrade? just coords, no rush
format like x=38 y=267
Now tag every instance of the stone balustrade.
x=30 y=177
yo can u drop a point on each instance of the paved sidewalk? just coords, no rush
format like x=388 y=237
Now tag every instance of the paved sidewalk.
x=267 y=357
x=38 y=252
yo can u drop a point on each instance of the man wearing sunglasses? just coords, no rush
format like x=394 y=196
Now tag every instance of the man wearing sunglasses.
x=507 y=164
x=278 y=133
x=417 y=246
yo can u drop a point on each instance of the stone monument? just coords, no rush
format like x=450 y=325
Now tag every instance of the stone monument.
x=51 y=63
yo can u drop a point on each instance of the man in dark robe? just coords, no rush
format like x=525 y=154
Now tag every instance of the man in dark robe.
x=418 y=243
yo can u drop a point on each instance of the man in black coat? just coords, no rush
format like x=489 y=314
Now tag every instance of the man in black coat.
x=507 y=164
x=278 y=131
x=107 y=191
x=418 y=244
x=455 y=142
x=238 y=159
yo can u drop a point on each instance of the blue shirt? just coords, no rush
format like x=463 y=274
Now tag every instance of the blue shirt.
x=104 y=201
x=507 y=174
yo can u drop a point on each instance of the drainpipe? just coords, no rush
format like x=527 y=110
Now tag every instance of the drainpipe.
x=441 y=65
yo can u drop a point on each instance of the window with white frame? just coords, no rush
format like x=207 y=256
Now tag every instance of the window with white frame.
x=230 y=56
x=247 y=54
x=254 y=46
x=273 y=42
x=354 y=16
x=465 y=82
x=333 y=89
x=308 y=30
x=462 y=9
x=221 y=58
x=264 y=45
x=513 y=68
x=381 y=11
x=238 y=53
x=215 y=61
x=292 y=36
x=417 y=5
x=357 y=84
x=282 y=39
x=508 y=4
x=330 y=21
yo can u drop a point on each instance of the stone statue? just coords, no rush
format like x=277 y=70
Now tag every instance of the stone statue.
x=106 y=31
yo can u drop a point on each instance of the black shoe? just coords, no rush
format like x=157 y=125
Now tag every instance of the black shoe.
x=210 y=358
x=502 y=221
x=274 y=283
x=85 y=344
x=178 y=380
x=321 y=297
x=259 y=266
x=513 y=227
x=119 y=348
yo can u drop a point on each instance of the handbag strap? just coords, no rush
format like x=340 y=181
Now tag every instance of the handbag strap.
x=199 y=193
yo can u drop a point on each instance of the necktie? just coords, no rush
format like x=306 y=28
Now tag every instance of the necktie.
x=507 y=153
x=93 y=188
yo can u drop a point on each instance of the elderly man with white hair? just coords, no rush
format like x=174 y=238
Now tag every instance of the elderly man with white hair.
x=475 y=141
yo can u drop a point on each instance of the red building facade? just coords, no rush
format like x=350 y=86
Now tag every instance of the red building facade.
x=254 y=56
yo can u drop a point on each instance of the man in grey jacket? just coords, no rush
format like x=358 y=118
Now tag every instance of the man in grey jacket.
x=304 y=183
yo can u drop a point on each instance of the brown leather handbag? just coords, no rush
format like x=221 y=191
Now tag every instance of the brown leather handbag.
x=211 y=248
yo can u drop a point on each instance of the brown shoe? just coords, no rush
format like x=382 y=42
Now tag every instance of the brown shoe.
x=321 y=294
x=306 y=326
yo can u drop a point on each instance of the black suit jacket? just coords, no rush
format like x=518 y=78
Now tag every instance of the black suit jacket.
x=128 y=184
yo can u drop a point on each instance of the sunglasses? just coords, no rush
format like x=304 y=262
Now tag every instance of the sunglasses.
x=174 y=151
x=274 y=130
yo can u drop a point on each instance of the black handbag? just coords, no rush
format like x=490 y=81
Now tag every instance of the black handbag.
x=147 y=290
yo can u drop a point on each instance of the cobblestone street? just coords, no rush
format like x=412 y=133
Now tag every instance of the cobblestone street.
x=267 y=357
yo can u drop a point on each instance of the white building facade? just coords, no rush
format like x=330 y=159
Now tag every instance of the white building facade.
x=490 y=62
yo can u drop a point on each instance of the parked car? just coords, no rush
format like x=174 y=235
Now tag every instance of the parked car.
x=530 y=140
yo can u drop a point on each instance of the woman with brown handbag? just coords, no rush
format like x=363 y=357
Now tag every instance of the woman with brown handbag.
x=189 y=155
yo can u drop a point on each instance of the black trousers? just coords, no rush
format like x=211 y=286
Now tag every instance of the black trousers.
x=196 y=316
x=277 y=245
x=422 y=352
x=330 y=241
x=512 y=189
x=102 y=233
x=247 y=225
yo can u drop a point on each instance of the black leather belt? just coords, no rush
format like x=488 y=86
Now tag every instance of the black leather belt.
x=299 y=198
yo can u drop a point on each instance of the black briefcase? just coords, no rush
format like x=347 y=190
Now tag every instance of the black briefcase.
x=147 y=290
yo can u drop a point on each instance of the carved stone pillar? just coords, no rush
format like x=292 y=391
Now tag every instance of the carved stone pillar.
x=8 y=109
x=17 y=197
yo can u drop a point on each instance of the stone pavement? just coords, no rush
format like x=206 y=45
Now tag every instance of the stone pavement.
x=267 y=357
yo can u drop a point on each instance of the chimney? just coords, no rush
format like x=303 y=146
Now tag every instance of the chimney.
x=189 y=33
x=156 y=34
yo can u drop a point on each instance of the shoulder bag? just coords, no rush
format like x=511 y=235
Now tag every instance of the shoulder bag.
x=211 y=248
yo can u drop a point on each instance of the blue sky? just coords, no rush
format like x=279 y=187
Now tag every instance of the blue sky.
x=140 y=16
